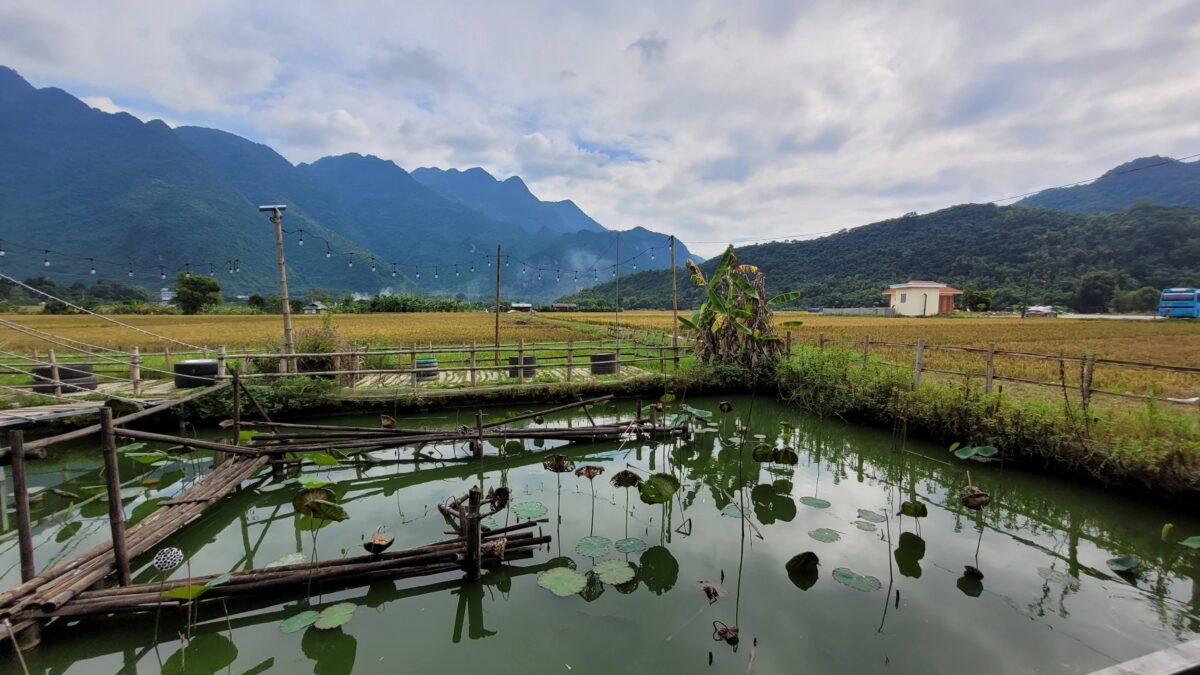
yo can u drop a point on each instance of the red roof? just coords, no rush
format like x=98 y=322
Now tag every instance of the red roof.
x=943 y=290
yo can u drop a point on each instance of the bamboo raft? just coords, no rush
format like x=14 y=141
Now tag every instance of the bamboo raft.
x=77 y=588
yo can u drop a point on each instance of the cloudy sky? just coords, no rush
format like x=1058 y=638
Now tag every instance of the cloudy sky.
x=715 y=121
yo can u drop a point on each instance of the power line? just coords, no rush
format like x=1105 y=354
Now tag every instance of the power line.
x=1089 y=180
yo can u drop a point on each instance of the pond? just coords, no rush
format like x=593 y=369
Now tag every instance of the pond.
x=889 y=593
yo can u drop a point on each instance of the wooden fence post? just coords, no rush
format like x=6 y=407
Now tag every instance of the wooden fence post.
x=662 y=360
x=866 y=347
x=1086 y=368
x=237 y=408
x=54 y=374
x=353 y=367
x=570 y=358
x=167 y=357
x=820 y=341
x=788 y=348
x=135 y=369
x=920 y=362
x=521 y=361
x=112 y=477
x=16 y=441
x=989 y=369
x=472 y=363
x=471 y=532
x=477 y=444
x=221 y=361
x=412 y=359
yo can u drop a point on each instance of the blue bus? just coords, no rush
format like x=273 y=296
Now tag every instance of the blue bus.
x=1179 y=303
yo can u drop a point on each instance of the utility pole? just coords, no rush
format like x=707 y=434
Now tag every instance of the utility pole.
x=276 y=211
x=498 y=258
x=617 y=308
x=674 y=308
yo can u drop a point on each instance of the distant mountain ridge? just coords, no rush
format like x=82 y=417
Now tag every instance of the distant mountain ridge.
x=93 y=185
x=1160 y=180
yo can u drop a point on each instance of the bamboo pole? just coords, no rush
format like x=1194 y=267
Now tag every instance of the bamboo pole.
x=472 y=363
x=237 y=408
x=16 y=438
x=54 y=374
x=919 y=362
x=135 y=370
x=471 y=531
x=112 y=478
x=989 y=372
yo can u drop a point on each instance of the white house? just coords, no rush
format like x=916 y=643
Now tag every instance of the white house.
x=315 y=307
x=921 y=298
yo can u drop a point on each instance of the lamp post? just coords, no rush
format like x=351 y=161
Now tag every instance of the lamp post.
x=276 y=211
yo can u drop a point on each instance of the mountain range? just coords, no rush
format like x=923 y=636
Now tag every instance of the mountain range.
x=83 y=189
x=1138 y=225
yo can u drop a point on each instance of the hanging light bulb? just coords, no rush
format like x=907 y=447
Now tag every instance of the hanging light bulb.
x=614 y=271
x=489 y=260
x=472 y=268
x=418 y=270
x=187 y=271
x=522 y=269
x=237 y=265
x=328 y=251
x=595 y=275
x=539 y=275
x=393 y=271
x=372 y=263
x=1 y=249
x=93 y=265
x=211 y=271
x=652 y=254
x=456 y=270
x=131 y=271
x=435 y=272
x=300 y=242
x=634 y=266
x=162 y=274
x=45 y=258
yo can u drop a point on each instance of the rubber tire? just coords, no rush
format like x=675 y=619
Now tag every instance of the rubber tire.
x=195 y=373
x=69 y=385
x=604 y=363
x=65 y=371
x=528 y=361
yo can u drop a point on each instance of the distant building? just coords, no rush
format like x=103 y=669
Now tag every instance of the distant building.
x=522 y=307
x=564 y=307
x=315 y=307
x=165 y=296
x=921 y=298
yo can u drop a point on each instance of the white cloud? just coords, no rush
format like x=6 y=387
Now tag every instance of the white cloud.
x=710 y=120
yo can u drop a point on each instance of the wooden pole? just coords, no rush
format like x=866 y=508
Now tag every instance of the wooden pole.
x=471 y=532
x=617 y=307
x=288 y=345
x=570 y=357
x=521 y=360
x=221 y=361
x=167 y=357
x=237 y=408
x=789 y=343
x=135 y=369
x=472 y=363
x=866 y=347
x=477 y=446
x=674 y=307
x=16 y=439
x=54 y=375
x=112 y=477
x=989 y=371
x=920 y=362
x=820 y=341
x=497 y=308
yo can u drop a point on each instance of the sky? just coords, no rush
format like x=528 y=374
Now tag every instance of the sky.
x=718 y=122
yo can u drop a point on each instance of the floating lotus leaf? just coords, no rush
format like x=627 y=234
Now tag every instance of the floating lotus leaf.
x=204 y=654
x=970 y=587
x=67 y=531
x=593 y=547
x=696 y=412
x=311 y=482
x=762 y=453
x=631 y=585
x=964 y=453
x=802 y=570
x=300 y=502
x=1192 y=542
x=589 y=471
x=298 y=622
x=1059 y=577
x=824 y=534
x=489 y=522
x=594 y=587
x=289 y=559
x=558 y=463
x=320 y=509
x=1124 y=563
x=630 y=545
x=814 y=502
x=909 y=552
x=871 y=516
x=335 y=615
x=659 y=488
x=865 y=526
x=659 y=571
x=185 y=592
x=320 y=458
x=614 y=571
x=732 y=511
x=626 y=479
x=856 y=581
x=914 y=509
x=562 y=581
x=529 y=510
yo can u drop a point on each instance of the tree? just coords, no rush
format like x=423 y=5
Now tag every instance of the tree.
x=1095 y=291
x=194 y=292
x=1144 y=299
x=975 y=300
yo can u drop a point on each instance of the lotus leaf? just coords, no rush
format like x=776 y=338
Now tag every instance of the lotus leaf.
x=865 y=526
x=626 y=479
x=1124 y=563
x=558 y=463
x=856 y=581
x=298 y=622
x=762 y=453
x=529 y=510
x=208 y=653
x=802 y=570
x=190 y=592
x=589 y=471
x=696 y=412
x=489 y=522
x=659 y=488
x=593 y=547
x=870 y=516
x=914 y=509
x=311 y=482
x=825 y=535
x=1192 y=542
x=289 y=559
x=67 y=531
x=630 y=545
x=732 y=511
x=614 y=571
x=335 y=615
x=562 y=581
x=814 y=502
x=320 y=458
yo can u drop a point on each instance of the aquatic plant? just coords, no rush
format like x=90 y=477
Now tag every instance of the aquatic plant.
x=562 y=581
x=802 y=569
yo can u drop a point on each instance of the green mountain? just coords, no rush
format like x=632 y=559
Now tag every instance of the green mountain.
x=1003 y=248
x=1160 y=180
x=89 y=185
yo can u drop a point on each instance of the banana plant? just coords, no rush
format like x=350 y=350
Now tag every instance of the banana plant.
x=733 y=324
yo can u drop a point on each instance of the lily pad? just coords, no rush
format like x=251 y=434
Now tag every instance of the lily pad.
x=914 y=509
x=865 y=526
x=529 y=510
x=1192 y=542
x=489 y=522
x=659 y=488
x=562 y=581
x=856 y=581
x=204 y=654
x=320 y=458
x=630 y=545
x=815 y=502
x=593 y=547
x=696 y=412
x=909 y=552
x=1124 y=563
x=825 y=535
x=311 y=482
x=614 y=571
x=1058 y=577
x=802 y=570
x=335 y=615
x=298 y=622
x=870 y=516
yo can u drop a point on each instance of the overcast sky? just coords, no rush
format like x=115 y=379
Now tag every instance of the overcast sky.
x=715 y=121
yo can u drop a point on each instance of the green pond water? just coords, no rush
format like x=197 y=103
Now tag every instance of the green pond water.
x=887 y=597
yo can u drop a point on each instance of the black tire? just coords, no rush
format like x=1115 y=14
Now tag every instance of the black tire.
x=65 y=371
x=604 y=364
x=69 y=385
x=195 y=373
x=529 y=363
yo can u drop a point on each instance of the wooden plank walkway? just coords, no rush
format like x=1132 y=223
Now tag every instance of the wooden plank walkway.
x=45 y=413
x=1177 y=660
